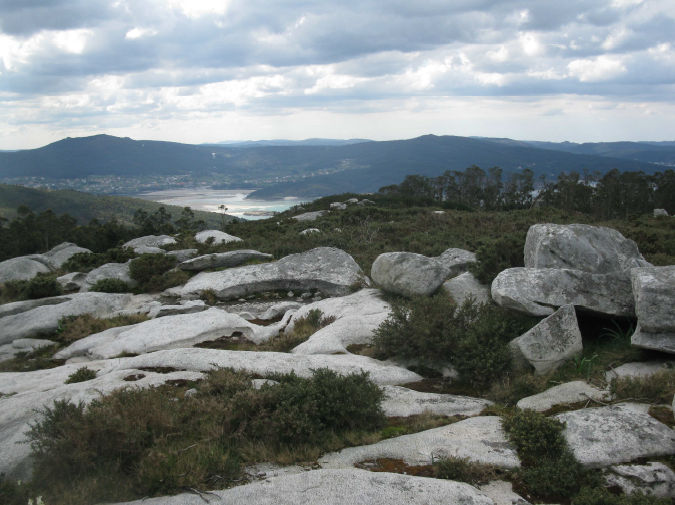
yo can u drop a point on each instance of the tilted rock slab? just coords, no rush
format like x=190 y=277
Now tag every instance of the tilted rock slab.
x=44 y=320
x=593 y=249
x=638 y=369
x=327 y=269
x=551 y=343
x=620 y=433
x=118 y=271
x=81 y=347
x=63 y=252
x=338 y=487
x=408 y=274
x=182 y=254
x=219 y=237
x=151 y=241
x=654 y=291
x=223 y=260
x=31 y=391
x=357 y=316
x=481 y=439
x=466 y=285
x=655 y=478
x=404 y=402
x=189 y=307
x=21 y=269
x=564 y=394
x=10 y=309
x=267 y=363
x=540 y=291
x=456 y=260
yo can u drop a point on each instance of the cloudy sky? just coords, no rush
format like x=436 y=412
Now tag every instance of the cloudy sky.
x=211 y=70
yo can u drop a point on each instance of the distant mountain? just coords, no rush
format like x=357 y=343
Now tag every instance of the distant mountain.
x=306 y=142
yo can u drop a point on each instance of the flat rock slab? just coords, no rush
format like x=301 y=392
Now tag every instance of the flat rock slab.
x=481 y=439
x=327 y=269
x=189 y=307
x=269 y=363
x=551 y=343
x=44 y=320
x=223 y=260
x=408 y=274
x=151 y=241
x=338 y=487
x=593 y=249
x=540 y=291
x=357 y=316
x=564 y=394
x=620 y=433
x=654 y=478
x=118 y=271
x=404 y=402
x=21 y=269
x=456 y=260
x=81 y=347
x=219 y=237
x=639 y=369
x=466 y=285
x=502 y=493
x=13 y=308
x=310 y=216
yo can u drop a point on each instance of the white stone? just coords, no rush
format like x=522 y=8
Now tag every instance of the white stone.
x=145 y=249
x=639 y=369
x=219 y=237
x=456 y=260
x=21 y=269
x=223 y=260
x=404 y=402
x=653 y=478
x=279 y=309
x=564 y=394
x=481 y=439
x=660 y=212
x=258 y=383
x=13 y=308
x=79 y=348
x=338 y=206
x=604 y=436
x=309 y=231
x=151 y=241
x=654 y=291
x=310 y=216
x=502 y=493
x=72 y=281
x=408 y=274
x=466 y=285
x=189 y=307
x=63 y=252
x=118 y=271
x=182 y=254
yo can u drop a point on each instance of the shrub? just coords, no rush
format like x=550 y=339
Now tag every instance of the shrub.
x=495 y=255
x=658 y=388
x=535 y=435
x=82 y=374
x=74 y=328
x=85 y=262
x=465 y=470
x=40 y=286
x=559 y=477
x=110 y=286
x=148 y=266
x=600 y=496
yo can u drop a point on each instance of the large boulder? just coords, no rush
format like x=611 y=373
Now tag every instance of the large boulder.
x=223 y=260
x=337 y=487
x=310 y=216
x=481 y=439
x=331 y=271
x=63 y=252
x=44 y=320
x=551 y=343
x=654 y=291
x=357 y=316
x=540 y=291
x=592 y=249
x=109 y=271
x=404 y=402
x=219 y=237
x=456 y=260
x=150 y=241
x=21 y=269
x=466 y=285
x=408 y=274
x=605 y=436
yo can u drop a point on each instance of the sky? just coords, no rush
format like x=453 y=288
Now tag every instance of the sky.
x=198 y=71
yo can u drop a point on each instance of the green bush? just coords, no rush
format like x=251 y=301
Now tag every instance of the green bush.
x=110 y=286
x=86 y=262
x=559 y=477
x=600 y=496
x=148 y=266
x=82 y=374
x=473 y=337
x=535 y=435
x=40 y=286
x=465 y=470
x=495 y=255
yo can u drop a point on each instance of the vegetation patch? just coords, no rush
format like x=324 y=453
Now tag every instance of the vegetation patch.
x=74 y=328
x=29 y=361
x=148 y=266
x=82 y=374
x=110 y=286
x=658 y=388
x=86 y=262
x=40 y=286
x=601 y=496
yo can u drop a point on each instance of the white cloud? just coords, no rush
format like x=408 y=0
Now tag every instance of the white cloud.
x=198 y=8
x=137 y=33
x=602 y=68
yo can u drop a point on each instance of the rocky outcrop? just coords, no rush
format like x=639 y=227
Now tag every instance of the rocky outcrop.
x=144 y=249
x=592 y=249
x=150 y=241
x=183 y=254
x=44 y=320
x=21 y=269
x=481 y=439
x=550 y=344
x=9 y=351
x=279 y=309
x=330 y=270
x=539 y=292
x=408 y=274
x=63 y=252
x=564 y=394
x=639 y=369
x=456 y=260
x=654 y=478
x=10 y=309
x=357 y=316
x=660 y=213
x=223 y=260
x=118 y=271
x=654 y=291
x=72 y=281
x=189 y=307
x=309 y=231
x=338 y=206
x=608 y=435
x=466 y=285
x=404 y=402
x=219 y=237
x=338 y=487
x=310 y=216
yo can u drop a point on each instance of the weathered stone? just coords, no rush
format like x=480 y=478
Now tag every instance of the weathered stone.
x=366 y=202
x=654 y=291
x=328 y=269
x=118 y=271
x=593 y=249
x=653 y=478
x=144 y=249
x=279 y=309
x=639 y=369
x=604 y=436
x=564 y=394
x=352 y=200
x=21 y=269
x=72 y=281
x=481 y=439
x=551 y=343
x=357 y=316
x=183 y=254
x=189 y=307
x=654 y=340
x=338 y=206
x=404 y=402
x=310 y=216
x=466 y=285
x=44 y=320
x=9 y=351
x=10 y=309
x=41 y=258
x=456 y=260
x=539 y=291
x=151 y=241
x=310 y=230
x=219 y=237
x=338 y=487
x=270 y=363
x=63 y=252
x=660 y=212
x=81 y=347
x=223 y=260
x=502 y=493
x=408 y=274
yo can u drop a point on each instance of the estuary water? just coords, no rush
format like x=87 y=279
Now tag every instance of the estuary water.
x=210 y=199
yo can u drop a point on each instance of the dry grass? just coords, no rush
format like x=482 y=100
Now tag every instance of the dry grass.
x=657 y=389
x=78 y=327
